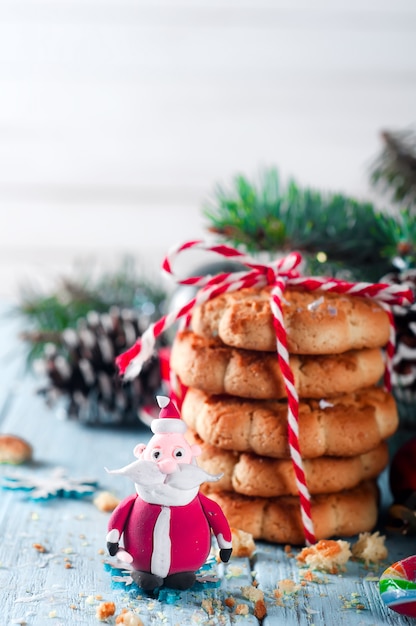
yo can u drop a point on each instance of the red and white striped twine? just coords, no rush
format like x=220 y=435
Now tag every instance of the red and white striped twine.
x=279 y=274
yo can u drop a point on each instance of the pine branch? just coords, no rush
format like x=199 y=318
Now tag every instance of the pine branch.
x=347 y=233
x=394 y=170
x=48 y=315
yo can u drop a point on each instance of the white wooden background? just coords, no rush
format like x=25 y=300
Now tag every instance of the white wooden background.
x=117 y=117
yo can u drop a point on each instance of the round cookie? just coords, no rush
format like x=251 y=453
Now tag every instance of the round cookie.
x=215 y=368
x=316 y=322
x=253 y=475
x=278 y=520
x=348 y=425
x=14 y=450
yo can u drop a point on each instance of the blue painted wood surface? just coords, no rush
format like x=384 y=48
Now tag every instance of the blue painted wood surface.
x=65 y=584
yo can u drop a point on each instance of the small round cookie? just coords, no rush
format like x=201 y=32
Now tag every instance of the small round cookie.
x=347 y=425
x=215 y=368
x=253 y=475
x=278 y=520
x=316 y=322
x=14 y=450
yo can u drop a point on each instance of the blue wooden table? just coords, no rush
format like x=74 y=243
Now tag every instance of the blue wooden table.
x=65 y=583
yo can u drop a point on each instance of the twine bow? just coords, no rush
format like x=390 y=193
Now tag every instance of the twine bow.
x=278 y=274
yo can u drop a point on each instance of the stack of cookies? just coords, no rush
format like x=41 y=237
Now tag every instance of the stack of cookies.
x=236 y=408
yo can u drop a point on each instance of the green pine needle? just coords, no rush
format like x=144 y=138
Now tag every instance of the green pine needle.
x=350 y=234
x=47 y=315
x=394 y=170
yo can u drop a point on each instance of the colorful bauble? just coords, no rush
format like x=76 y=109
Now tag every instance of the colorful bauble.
x=398 y=586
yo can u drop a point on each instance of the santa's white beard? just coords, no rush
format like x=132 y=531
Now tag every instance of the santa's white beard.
x=176 y=489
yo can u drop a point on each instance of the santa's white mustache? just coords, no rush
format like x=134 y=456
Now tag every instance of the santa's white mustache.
x=187 y=476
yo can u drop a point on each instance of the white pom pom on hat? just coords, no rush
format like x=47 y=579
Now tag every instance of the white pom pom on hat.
x=169 y=418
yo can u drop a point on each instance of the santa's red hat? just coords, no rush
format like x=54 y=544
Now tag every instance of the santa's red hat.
x=169 y=418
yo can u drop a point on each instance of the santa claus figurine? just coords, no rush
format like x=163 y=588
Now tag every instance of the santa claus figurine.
x=166 y=525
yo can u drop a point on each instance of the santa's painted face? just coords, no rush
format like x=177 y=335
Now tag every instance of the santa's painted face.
x=166 y=471
x=168 y=451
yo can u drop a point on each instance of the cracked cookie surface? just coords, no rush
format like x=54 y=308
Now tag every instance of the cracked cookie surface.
x=215 y=368
x=316 y=322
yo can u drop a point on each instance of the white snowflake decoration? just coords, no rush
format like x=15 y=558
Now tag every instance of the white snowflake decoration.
x=56 y=485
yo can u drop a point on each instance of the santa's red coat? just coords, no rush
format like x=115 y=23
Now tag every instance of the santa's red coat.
x=189 y=530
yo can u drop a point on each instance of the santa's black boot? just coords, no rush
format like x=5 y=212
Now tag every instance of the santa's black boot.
x=146 y=580
x=181 y=580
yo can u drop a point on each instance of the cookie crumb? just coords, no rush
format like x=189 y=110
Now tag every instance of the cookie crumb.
x=207 y=606
x=128 y=618
x=255 y=595
x=370 y=548
x=287 y=586
x=241 y=609
x=327 y=555
x=288 y=550
x=39 y=547
x=353 y=602
x=260 y=610
x=252 y=593
x=243 y=543
x=106 y=502
x=308 y=576
x=105 y=610
x=230 y=602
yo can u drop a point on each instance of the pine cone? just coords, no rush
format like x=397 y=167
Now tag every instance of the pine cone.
x=82 y=369
x=404 y=361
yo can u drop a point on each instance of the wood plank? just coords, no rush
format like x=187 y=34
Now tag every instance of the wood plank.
x=63 y=583
x=12 y=358
x=330 y=599
x=40 y=585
